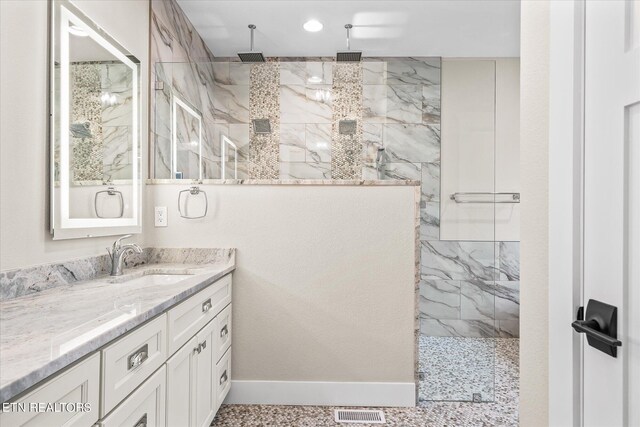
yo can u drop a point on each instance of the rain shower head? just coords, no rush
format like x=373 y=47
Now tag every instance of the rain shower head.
x=348 y=55
x=251 y=56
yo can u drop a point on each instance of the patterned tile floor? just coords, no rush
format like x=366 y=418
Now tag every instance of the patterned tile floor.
x=502 y=412
x=456 y=368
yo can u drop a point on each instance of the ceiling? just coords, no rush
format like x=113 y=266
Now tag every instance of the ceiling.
x=449 y=28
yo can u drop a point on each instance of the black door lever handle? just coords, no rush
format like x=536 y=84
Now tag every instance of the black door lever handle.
x=600 y=324
x=589 y=327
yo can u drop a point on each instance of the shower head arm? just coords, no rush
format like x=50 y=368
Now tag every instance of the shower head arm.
x=348 y=27
x=252 y=27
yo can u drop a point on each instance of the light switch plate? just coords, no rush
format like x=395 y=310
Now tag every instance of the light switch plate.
x=160 y=216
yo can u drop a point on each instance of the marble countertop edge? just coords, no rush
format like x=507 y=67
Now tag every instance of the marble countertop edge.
x=16 y=387
x=311 y=182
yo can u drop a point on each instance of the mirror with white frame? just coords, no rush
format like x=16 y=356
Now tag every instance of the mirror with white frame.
x=95 y=129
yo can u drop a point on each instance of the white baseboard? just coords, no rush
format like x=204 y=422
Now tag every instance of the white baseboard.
x=321 y=393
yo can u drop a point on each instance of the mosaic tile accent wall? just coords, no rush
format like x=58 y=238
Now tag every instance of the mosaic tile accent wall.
x=86 y=122
x=264 y=103
x=346 y=159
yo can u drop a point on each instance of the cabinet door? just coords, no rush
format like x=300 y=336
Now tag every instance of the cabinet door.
x=222 y=379
x=144 y=407
x=181 y=374
x=223 y=334
x=205 y=386
x=80 y=384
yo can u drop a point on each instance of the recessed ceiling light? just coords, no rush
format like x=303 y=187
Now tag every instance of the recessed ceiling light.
x=313 y=26
x=78 y=31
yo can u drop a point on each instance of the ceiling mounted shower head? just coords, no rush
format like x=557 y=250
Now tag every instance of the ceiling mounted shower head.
x=349 y=55
x=251 y=56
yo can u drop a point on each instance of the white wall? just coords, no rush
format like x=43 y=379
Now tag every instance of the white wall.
x=324 y=289
x=25 y=238
x=480 y=147
x=534 y=158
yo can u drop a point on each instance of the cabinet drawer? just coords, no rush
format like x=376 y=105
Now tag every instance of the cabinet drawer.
x=130 y=360
x=223 y=332
x=223 y=378
x=145 y=406
x=187 y=318
x=78 y=385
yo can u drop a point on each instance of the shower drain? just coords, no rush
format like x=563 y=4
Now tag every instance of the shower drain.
x=359 y=416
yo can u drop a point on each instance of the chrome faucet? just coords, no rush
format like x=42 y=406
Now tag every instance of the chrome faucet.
x=118 y=252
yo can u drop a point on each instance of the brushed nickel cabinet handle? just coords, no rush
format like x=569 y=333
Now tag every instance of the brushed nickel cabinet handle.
x=206 y=306
x=142 y=422
x=223 y=377
x=138 y=357
x=224 y=331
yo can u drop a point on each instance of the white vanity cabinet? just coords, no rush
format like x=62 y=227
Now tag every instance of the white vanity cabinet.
x=132 y=359
x=194 y=388
x=173 y=370
x=144 y=408
x=79 y=384
x=188 y=317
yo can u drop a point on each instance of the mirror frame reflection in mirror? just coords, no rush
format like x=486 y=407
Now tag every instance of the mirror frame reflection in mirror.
x=175 y=104
x=226 y=145
x=66 y=17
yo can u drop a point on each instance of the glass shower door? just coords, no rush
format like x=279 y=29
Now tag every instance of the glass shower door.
x=469 y=278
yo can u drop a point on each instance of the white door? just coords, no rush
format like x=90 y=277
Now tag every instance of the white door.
x=612 y=206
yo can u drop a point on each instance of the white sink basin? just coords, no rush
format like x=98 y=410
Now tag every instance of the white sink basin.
x=158 y=279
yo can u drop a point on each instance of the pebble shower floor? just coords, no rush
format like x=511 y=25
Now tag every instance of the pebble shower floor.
x=501 y=412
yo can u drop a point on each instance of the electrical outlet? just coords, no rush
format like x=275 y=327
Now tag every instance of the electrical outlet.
x=161 y=216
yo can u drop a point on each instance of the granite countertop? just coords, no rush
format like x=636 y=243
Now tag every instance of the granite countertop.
x=44 y=332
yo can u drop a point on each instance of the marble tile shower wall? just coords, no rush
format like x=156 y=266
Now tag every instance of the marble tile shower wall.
x=469 y=288
x=180 y=60
x=466 y=288
x=102 y=151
